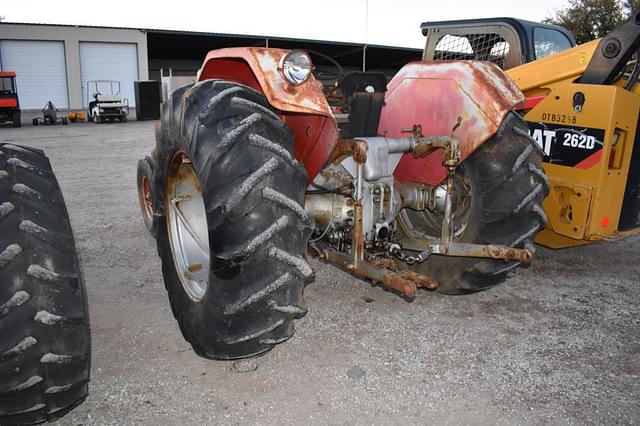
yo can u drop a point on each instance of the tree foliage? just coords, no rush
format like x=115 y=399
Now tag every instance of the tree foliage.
x=591 y=19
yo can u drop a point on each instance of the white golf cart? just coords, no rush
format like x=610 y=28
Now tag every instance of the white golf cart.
x=105 y=102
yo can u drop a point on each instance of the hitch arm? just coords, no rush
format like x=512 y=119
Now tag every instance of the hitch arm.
x=490 y=251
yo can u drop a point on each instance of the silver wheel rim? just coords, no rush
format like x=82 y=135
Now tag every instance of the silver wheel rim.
x=187 y=226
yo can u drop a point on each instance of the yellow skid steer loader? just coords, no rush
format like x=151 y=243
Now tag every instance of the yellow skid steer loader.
x=582 y=106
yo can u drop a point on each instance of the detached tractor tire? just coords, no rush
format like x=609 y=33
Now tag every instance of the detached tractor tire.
x=147 y=197
x=234 y=240
x=506 y=184
x=44 y=322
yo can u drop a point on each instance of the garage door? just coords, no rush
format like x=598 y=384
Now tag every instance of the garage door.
x=40 y=69
x=109 y=61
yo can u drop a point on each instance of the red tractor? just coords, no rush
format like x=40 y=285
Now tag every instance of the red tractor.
x=433 y=183
x=9 y=105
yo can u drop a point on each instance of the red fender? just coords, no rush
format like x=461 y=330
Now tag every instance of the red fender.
x=303 y=108
x=464 y=99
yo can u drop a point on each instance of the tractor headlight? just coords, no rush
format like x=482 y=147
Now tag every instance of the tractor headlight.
x=295 y=67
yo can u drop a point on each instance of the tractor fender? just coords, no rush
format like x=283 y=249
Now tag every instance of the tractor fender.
x=464 y=99
x=303 y=108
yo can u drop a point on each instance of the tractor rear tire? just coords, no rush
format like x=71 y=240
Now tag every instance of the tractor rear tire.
x=508 y=185
x=44 y=322
x=241 y=154
x=147 y=197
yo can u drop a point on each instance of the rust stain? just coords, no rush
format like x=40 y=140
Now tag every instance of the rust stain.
x=463 y=99
x=303 y=108
x=490 y=251
x=195 y=267
x=178 y=172
x=400 y=284
x=420 y=280
x=305 y=98
x=349 y=147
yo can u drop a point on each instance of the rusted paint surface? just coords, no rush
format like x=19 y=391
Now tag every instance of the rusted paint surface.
x=306 y=98
x=179 y=173
x=303 y=108
x=489 y=251
x=397 y=282
x=349 y=148
x=420 y=280
x=462 y=99
x=382 y=271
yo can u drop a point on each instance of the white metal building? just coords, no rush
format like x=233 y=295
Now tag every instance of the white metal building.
x=54 y=62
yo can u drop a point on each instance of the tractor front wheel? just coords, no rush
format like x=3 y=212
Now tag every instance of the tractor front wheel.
x=146 y=194
x=498 y=200
x=234 y=240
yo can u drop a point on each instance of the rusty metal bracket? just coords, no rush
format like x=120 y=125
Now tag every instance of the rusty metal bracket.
x=349 y=147
x=403 y=282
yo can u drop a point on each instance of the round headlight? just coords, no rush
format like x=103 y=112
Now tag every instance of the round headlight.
x=295 y=67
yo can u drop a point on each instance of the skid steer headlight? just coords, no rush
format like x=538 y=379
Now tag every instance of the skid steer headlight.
x=295 y=67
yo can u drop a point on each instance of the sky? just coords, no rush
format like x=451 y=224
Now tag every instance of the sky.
x=385 y=22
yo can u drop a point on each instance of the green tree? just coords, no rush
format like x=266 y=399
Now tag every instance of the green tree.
x=591 y=19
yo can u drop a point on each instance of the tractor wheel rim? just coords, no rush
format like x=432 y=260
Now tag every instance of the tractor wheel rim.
x=187 y=226
x=146 y=195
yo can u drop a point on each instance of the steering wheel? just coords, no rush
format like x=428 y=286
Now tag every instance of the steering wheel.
x=328 y=78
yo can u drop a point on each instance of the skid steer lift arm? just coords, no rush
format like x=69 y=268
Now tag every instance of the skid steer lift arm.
x=613 y=53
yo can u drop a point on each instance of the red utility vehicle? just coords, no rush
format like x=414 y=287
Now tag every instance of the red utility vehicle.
x=9 y=105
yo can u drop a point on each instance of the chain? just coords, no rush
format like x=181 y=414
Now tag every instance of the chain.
x=394 y=250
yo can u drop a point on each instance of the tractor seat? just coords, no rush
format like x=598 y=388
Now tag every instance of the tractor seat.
x=364 y=92
x=358 y=81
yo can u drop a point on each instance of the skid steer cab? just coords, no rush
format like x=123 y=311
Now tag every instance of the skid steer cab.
x=582 y=107
x=433 y=183
x=105 y=103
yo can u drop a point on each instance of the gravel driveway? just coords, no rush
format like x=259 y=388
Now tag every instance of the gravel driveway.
x=559 y=343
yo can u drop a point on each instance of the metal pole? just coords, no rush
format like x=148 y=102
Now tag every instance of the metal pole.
x=364 y=58
x=366 y=36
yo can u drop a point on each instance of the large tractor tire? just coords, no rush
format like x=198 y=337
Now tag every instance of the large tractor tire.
x=234 y=240
x=499 y=191
x=44 y=323
x=146 y=194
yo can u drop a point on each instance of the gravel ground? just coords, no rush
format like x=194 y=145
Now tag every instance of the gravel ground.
x=559 y=343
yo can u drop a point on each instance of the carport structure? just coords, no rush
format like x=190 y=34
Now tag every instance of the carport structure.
x=183 y=52
x=54 y=62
